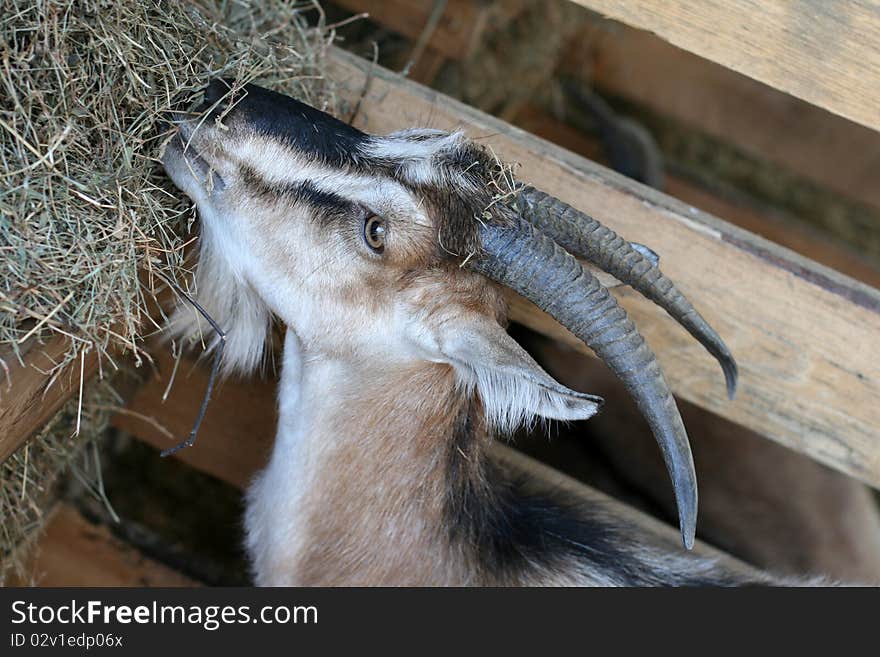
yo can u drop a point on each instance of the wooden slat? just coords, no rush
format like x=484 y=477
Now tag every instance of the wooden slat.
x=241 y=417
x=764 y=122
x=805 y=336
x=460 y=28
x=661 y=535
x=75 y=552
x=754 y=217
x=827 y=53
x=33 y=389
x=31 y=397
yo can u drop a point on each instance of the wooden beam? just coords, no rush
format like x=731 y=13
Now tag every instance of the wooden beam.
x=755 y=217
x=804 y=335
x=31 y=397
x=827 y=53
x=766 y=123
x=34 y=389
x=75 y=552
x=461 y=26
x=236 y=435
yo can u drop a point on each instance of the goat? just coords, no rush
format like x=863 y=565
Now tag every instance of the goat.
x=385 y=258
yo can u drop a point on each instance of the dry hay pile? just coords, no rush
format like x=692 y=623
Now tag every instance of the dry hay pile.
x=84 y=89
x=87 y=216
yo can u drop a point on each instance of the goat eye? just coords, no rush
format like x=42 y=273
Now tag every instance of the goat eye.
x=374 y=233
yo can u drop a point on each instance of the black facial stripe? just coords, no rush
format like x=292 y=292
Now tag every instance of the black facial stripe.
x=314 y=133
x=304 y=128
x=328 y=204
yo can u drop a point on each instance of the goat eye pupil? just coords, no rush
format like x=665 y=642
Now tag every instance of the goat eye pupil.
x=374 y=233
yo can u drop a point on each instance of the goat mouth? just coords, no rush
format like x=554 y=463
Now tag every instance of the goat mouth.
x=182 y=158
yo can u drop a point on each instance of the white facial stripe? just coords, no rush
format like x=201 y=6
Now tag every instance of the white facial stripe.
x=277 y=164
x=416 y=144
x=415 y=150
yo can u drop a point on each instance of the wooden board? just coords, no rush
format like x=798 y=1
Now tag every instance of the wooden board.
x=764 y=122
x=752 y=216
x=459 y=30
x=33 y=389
x=805 y=336
x=30 y=397
x=827 y=53
x=236 y=435
x=75 y=552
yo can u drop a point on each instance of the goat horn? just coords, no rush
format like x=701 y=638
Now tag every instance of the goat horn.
x=586 y=238
x=520 y=257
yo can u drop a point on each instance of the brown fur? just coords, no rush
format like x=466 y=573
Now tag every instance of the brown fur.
x=378 y=510
x=387 y=528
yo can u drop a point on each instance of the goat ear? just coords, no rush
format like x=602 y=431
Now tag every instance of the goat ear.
x=513 y=387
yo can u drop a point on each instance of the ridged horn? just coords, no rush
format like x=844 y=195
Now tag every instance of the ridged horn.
x=520 y=257
x=586 y=238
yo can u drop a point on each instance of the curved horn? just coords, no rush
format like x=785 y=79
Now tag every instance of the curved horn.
x=522 y=258
x=586 y=238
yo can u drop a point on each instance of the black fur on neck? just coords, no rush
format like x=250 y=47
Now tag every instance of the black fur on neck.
x=511 y=527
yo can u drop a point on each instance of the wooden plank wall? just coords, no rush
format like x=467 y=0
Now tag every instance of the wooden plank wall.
x=804 y=335
x=764 y=122
x=755 y=217
x=827 y=53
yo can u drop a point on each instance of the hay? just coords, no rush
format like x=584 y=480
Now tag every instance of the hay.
x=86 y=214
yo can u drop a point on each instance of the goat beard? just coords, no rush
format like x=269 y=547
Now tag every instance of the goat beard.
x=233 y=304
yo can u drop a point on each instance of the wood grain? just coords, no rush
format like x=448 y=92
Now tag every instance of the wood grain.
x=33 y=389
x=75 y=552
x=30 y=397
x=754 y=217
x=805 y=336
x=827 y=53
x=762 y=121
x=461 y=25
